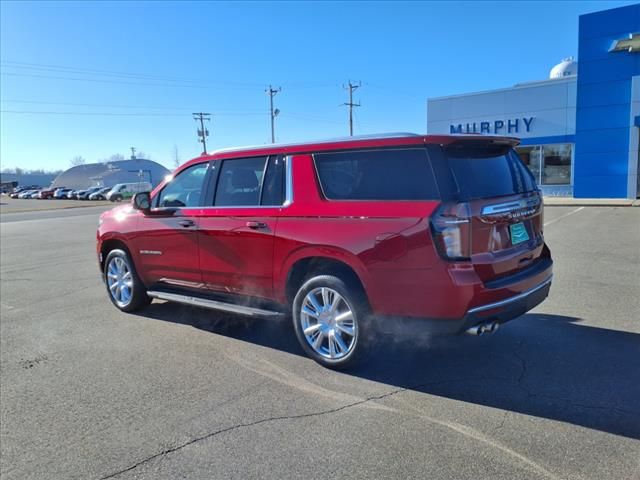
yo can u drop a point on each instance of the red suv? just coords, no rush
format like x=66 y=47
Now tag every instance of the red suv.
x=446 y=229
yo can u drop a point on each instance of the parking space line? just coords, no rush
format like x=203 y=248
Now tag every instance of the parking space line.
x=563 y=216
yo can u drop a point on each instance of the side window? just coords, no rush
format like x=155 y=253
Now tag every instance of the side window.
x=185 y=190
x=239 y=182
x=398 y=174
x=273 y=185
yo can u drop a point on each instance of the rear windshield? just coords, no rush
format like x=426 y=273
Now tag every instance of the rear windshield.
x=488 y=171
x=393 y=174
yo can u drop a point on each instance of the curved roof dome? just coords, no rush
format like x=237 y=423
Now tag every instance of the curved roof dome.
x=110 y=173
x=567 y=67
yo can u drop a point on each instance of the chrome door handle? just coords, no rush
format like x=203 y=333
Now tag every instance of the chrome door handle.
x=256 y=225
x=186 y=223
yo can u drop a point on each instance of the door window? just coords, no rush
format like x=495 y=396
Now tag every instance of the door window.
x=273 y=187
x=239 y=182
x=185 y=190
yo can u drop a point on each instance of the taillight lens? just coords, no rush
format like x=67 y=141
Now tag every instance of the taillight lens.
x=451 y=227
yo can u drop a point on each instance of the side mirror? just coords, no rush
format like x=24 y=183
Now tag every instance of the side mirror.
x=142 y=201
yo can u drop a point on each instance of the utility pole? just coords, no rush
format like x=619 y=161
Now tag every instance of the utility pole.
x=203 y=133
x=133 y=153
x=272 y=92
x=352 y=87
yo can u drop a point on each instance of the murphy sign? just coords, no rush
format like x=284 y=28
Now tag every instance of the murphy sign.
x=497 y=127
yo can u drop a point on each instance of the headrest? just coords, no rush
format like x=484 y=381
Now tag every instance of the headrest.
x=244 y=178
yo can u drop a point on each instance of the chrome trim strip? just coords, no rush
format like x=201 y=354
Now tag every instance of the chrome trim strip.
x=212 y=304
x=150 y=252
x=509 y=300
x=288 y=197
x=509 y=206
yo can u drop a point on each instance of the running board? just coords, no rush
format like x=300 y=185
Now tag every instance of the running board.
x=213 y=304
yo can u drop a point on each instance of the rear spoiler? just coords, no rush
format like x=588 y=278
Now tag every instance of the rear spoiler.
x=469 y=139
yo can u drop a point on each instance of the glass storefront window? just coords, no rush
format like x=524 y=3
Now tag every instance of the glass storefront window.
x=530 y=155
x=550 y=164
x=557 y=164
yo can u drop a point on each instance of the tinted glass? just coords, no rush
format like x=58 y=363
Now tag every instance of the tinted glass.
x=185 y=190
x=239 y=182
x=273 y=185
x=485 y=172
x=403 y=174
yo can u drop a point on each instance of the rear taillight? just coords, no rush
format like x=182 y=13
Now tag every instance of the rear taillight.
x=451 y=228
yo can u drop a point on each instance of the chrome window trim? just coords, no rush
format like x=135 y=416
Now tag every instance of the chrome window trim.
x=288 y=197
x=513 y=299
x=288 y=181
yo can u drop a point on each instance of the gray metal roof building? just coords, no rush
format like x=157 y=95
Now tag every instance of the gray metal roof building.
x=109 y=173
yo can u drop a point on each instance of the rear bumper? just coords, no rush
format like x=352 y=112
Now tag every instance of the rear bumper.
x=507 y=309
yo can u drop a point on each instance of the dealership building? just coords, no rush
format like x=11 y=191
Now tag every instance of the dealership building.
x=579 y=129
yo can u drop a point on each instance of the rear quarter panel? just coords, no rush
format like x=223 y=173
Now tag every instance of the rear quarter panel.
x=388 y=244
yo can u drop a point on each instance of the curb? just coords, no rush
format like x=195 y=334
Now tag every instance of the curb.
x=590 y=202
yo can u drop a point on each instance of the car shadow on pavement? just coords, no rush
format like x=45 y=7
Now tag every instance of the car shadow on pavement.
x=547 y=366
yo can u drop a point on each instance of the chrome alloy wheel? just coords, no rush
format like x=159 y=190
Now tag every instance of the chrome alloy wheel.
x=120 y=281
x=328 y=323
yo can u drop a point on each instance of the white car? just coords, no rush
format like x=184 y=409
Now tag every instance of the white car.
x=124 y=191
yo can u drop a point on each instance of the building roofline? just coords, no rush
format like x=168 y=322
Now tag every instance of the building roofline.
x=522 y=85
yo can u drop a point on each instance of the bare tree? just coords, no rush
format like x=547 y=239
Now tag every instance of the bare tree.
x=176 y=157
x=116 y=157
x=78 y=160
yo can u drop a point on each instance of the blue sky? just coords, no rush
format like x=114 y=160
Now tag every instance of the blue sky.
x=105 y=76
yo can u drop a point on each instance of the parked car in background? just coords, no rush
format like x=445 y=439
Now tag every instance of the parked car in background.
x=46 y=193
x=100 y=194
x=26 y=193
x=21 y=190
x=124 y=191
x=34 y=194
x=70 y=194
x=61 y=193
x=444 y=229
x=84 y=194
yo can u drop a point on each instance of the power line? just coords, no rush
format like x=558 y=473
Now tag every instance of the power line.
x=203 y=133
x=120 y=82
x=352 y=87
x=272 y=92
x=90 y=71
x=199 y=83
x=117 y=114
x=159 y=107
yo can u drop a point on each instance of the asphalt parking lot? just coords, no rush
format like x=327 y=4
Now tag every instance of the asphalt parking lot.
x=19 y=205
x=89 y=392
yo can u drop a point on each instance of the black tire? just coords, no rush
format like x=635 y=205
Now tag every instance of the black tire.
x=116 y=198
x=354 y=300
x=139 y=298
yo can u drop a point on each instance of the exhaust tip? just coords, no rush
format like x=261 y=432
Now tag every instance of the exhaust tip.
x=483 y=328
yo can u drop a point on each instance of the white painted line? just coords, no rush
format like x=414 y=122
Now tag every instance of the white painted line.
x=564 y=216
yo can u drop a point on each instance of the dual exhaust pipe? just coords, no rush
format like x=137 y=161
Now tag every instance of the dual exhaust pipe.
x=482 y=328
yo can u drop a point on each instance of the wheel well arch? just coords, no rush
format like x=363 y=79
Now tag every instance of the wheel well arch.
x=111 y=244
x=312 y=266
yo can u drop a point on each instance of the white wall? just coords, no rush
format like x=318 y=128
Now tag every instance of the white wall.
x=552 y=103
